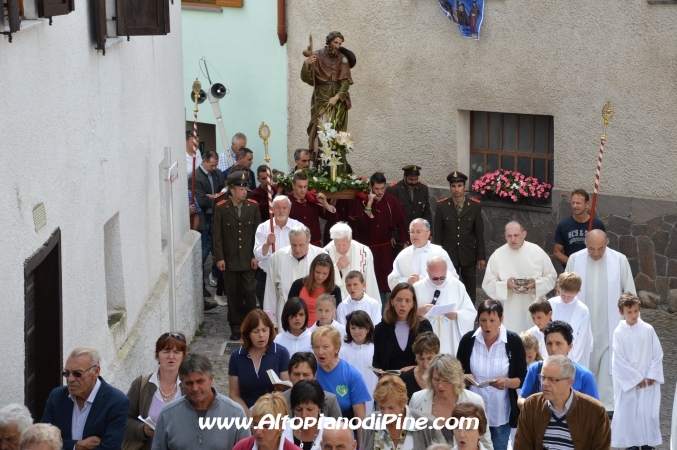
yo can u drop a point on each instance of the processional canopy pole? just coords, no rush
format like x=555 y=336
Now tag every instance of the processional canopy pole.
x=607 y=114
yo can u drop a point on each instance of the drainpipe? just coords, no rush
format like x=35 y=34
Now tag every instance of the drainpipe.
x=281 y=21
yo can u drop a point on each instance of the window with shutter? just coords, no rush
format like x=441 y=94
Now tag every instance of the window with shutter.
x=142 y=17
x=100 y=24
x=51 y=8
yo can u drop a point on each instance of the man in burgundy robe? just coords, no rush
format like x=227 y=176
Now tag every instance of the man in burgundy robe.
x=260 y=194
x=377 y=218
x=306 y=211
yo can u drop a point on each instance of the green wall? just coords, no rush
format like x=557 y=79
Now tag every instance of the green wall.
x=242 y=46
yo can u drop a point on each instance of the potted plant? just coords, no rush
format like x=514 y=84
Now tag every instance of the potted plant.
x=511 y=186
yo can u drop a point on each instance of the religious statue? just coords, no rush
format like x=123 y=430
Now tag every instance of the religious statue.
x=328 y=71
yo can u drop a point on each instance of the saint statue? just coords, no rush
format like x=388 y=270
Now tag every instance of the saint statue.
x=328 y=71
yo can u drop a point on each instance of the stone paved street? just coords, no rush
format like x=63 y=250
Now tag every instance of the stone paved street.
x=213 y=341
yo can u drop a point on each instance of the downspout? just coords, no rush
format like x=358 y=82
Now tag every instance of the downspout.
x=281 y=21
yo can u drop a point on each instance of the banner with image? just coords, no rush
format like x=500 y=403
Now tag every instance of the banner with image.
x=467 y=14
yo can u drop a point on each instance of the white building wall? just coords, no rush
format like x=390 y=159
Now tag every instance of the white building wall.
x=415 y=73
x=84 y=134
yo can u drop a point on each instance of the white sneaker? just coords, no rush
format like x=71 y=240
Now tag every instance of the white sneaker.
x=220 y=300
x=212 y=280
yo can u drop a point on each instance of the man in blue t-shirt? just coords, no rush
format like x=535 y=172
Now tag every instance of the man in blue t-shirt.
x=570 y=232
x=558 y=341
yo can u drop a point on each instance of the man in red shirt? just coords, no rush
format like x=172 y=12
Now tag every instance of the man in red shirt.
x=377 y=218
x=307 y=212
x=260 y=194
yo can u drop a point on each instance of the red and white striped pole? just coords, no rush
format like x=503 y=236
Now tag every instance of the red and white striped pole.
x=196 y=95
x=607 y=113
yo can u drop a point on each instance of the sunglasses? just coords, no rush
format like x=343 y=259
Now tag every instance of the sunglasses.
x=76 y=373
x=176 y=336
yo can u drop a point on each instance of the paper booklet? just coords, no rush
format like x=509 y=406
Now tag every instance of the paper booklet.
x=440 y=310
x=476 y=384
x=378 y=371
x=277 y=383
x=148 y=421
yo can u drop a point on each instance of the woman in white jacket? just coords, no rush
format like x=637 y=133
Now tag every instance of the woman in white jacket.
x=446 y=388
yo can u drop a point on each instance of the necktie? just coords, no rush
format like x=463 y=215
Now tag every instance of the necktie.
x=459 y=207
x=211 y=181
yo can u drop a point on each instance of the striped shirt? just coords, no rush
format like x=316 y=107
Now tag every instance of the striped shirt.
x=80 y=415
x=557 y=436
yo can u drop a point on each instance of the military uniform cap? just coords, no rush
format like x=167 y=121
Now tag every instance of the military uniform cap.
x=239 y=178
x=412 y=170
x=457 y=177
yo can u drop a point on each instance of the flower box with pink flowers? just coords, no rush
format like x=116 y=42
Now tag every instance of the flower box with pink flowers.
x=512 y=187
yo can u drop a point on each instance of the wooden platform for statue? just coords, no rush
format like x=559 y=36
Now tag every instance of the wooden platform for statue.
x=346 y=194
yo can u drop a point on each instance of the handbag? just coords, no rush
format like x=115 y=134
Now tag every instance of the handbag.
x=136 y=445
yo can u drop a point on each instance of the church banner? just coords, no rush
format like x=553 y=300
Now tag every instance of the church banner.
x=467 y=14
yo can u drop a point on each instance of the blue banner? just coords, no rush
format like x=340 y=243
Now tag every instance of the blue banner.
x=467 y=14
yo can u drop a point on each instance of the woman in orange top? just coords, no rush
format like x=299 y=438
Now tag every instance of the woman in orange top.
x=320 y=280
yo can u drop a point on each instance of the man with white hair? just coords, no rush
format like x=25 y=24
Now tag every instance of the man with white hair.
x=518 y=259
x=265 y=239
x=560 y=417
x=285 y=266
x=89 y=412
x=239 y=140
x=606 y=275
x=14 y=420
x=439 y=286
x=349 y=255
x=40 y=436
x=410 y=264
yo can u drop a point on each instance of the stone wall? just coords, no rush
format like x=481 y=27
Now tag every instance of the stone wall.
x=644 y=230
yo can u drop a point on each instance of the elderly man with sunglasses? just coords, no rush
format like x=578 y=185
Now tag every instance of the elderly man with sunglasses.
x=439 y=287
x=89 y=412
x=410 y=264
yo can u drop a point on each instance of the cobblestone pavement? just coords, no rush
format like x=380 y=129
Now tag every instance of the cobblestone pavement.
x=214 y=334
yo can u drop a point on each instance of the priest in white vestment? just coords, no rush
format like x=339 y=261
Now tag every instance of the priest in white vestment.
x=637 y=377
x=518 y=259
x=287 y=265
x=410 y=264
x=606 y=275
x=349 y=255
x=451 y=326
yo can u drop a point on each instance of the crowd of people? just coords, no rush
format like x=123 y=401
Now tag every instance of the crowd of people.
x=378 y=315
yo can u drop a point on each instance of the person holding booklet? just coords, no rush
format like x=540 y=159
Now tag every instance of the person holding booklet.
x=495 y=355
x=148 y=394
x=296 y=335
x=445 y=388
x=438 y=288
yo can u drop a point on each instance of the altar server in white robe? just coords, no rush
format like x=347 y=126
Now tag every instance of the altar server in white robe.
x=410 y=264
x=287 y=265
x=568 y=308
x=638 y=374
x=349 y=255
x=450 y=327
x=518 y=259
x=605 y=274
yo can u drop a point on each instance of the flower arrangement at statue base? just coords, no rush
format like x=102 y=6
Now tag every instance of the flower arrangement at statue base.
x=512 y=186
x=332 y=177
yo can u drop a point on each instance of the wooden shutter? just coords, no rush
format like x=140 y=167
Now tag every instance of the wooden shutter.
x=100 y=24
x=13 y=16
x=142 y=17
x=50 y=8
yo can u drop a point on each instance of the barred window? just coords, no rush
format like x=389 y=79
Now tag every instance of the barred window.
x=520 y=142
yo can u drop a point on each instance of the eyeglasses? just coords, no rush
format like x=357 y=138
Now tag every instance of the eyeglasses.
x=551 y=379
x=176 y=336
x=417 y=231
x=76 y=373
x=438 y=278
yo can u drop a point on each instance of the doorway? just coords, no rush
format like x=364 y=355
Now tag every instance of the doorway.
x=43 y=325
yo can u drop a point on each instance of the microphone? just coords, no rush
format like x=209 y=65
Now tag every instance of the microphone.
x=436 y=295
